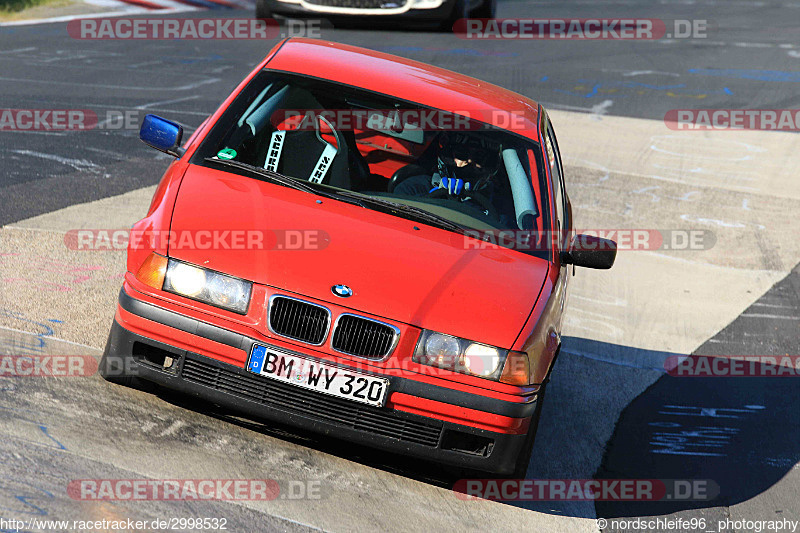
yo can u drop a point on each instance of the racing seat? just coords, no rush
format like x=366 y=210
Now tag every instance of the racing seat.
x=302 y=150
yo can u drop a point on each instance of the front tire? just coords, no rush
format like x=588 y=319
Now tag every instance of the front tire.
x=487 y=10
x=524 y=457
x=460 y=11
x=263 y=10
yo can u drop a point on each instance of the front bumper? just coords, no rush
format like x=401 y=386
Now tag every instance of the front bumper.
x=174 y=364
x=303 y=9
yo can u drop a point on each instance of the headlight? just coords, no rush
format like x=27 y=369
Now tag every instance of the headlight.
x=459 y=355
x=207 y=286
x=185 y=279
x=481 y=360
x=441 y=350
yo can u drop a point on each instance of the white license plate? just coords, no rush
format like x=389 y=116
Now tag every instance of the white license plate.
x=317 y=376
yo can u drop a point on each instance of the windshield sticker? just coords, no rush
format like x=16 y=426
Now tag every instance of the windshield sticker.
x=226 y=153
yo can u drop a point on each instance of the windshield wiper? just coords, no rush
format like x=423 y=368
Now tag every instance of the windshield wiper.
x=280 y=179
x=419 y=214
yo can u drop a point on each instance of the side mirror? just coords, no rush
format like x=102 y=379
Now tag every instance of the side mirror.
x=162 y=134
x=591 y=252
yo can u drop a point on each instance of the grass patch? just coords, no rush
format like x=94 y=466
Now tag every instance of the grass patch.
x=13 y=10
x=15 y=6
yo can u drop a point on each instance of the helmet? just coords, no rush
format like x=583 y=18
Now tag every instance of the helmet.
x=471 y=158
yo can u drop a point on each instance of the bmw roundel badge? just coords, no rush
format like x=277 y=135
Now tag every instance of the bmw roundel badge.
x=342 y=291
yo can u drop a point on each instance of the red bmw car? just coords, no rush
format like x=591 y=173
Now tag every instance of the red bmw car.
x=363 y=246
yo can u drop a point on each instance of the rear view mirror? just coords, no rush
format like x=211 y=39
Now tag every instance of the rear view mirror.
x=591 y=252
x=162 y=134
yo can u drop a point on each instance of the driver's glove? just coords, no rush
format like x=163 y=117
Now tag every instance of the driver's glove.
x=454 y=186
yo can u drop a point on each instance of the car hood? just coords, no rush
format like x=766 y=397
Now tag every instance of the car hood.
x=397 y=268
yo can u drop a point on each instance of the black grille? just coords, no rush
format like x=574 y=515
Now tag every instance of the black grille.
x=366 y=338
x=298 y=320
x=310 y=404
x=360 y=4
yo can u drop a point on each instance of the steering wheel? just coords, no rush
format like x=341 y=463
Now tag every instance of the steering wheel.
x=479 y=198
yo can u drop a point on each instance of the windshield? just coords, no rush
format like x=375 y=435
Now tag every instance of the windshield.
x=352 y=144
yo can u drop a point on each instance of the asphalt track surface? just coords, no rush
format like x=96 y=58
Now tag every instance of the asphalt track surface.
x=611 y=411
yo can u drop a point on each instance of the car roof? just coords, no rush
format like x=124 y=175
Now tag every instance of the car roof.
x=408 y=80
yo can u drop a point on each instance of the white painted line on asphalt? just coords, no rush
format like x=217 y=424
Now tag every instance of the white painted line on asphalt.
x=173 y=101
x=112 y=153
x=550 y=105
x=754 y=45
x=48 y=337
x=296 y=522
x=695 y=262
x=102 y=14
x=187 y=87
x=629 y=73
x=45 y=230
x=595 y=357
x=77 y=164
x=713 y=222
x=757 y=334
x=763 y=315
x=602 y=107
x=34 y=132
x=146 y=64
x=616 y=302
x=28 y=49
x=102 y=107
x=774 y=306
x=173 y=428
x=693 y=181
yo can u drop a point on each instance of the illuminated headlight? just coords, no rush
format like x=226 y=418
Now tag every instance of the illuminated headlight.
x=184 y=279
x=459 y=355
x=481 y=360
x=208 y=286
